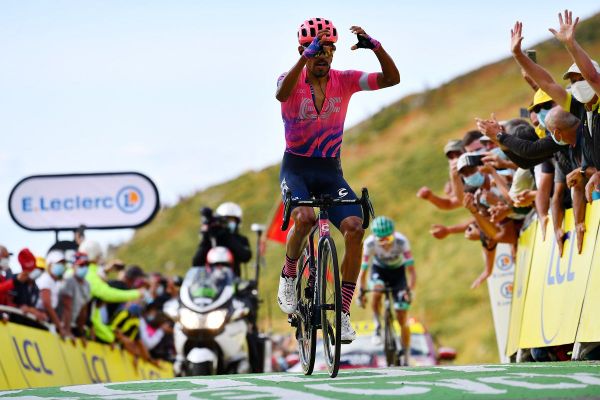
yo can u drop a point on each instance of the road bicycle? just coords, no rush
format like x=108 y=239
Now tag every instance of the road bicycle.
x=393 y=356
x=318 y=285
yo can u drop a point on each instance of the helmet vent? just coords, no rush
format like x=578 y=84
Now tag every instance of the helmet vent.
x=304 y=32
x=313 y=32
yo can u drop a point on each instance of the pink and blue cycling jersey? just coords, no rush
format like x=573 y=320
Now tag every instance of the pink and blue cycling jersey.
x=310 y=133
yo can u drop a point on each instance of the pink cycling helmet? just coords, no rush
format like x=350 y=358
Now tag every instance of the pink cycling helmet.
x=309 y=28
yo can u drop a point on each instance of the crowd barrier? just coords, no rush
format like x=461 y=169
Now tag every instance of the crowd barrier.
x=554 y=297
x=33 y=357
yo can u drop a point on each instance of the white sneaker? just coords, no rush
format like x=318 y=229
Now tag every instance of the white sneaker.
x=348 y=333
x=286 y=295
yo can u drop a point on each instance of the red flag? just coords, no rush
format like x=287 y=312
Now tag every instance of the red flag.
x=274 y=232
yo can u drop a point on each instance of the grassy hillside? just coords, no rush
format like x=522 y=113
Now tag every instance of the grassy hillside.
x=393 y=153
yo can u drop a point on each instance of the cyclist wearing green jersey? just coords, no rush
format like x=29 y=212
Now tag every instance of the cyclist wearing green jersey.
x=389 y=253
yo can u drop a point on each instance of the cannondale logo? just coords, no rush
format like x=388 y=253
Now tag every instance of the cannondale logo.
x=342 y=192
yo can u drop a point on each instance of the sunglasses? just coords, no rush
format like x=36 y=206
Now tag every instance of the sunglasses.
x=327 y=49
x=544 y=106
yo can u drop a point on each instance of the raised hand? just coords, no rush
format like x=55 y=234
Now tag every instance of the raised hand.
x=315 y=46
x=424 y=193
x=439 y=231
x=364 y=40
x=566 y=27
x=516 y=37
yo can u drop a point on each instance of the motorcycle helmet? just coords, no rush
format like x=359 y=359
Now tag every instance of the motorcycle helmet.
x=382 y=227
x=229 y=209
x=219 y=256
x=308 y=30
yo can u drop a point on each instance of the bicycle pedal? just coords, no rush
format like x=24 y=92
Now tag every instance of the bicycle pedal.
x=292 y=320
x=346 y=341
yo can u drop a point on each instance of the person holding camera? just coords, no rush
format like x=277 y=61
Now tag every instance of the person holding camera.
x=222 y=229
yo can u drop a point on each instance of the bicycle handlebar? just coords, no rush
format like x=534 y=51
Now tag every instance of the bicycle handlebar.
x=327 y=201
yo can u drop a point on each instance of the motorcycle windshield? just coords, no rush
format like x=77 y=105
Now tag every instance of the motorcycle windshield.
x=207 y=287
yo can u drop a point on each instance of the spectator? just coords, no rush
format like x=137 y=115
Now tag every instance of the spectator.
x=49 y=286
x=5 y=272
x=74 y=298
x=453 y=150
x=156 y=332
x=471 y=142
x=24 y=291
x=99 y=288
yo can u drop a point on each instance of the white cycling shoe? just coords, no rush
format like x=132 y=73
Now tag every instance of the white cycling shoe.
x=286 y=295
x=348 y=333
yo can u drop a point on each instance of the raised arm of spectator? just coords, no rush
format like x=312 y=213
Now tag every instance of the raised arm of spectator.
x=443 y=203
x=488 y=227
x=389 y=75
x=498 y=179
x=535 y=71
x=542 y=199
x=441 y=231
x=105 y=292
x=558 y=214
x=566 y=35
x=458 y=189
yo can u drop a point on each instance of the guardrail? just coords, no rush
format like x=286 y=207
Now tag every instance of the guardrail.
x=555 y=298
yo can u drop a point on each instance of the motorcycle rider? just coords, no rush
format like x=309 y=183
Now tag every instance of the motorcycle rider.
x=222 y=229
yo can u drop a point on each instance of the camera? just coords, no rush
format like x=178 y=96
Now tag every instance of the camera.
x=210 y=223
x=474 y=160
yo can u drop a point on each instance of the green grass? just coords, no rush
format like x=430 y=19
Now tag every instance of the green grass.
x=393 y=153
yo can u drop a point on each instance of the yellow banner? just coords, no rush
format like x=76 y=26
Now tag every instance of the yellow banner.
x=557 y=285
x=37 y=358
x=522 y=266
x=589 y=324
x=14 y=377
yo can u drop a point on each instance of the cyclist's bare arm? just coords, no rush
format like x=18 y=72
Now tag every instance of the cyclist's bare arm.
x=389 y=75
x=412 y=277
x=288 y=83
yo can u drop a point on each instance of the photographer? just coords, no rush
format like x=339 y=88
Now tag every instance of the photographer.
x=221 y=229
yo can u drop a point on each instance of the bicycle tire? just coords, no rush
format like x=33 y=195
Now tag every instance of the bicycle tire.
x=389 y=340
x=330 y=298
x=306 y=332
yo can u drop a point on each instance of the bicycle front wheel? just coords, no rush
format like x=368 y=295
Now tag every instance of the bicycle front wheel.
x=330 y=297
x=389 y=341
x=306 y=333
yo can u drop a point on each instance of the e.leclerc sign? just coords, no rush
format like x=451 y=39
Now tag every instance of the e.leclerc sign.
x=98 y=201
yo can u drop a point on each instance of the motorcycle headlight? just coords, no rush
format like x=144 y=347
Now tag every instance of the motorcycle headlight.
x=215 y=319
x=189 y=319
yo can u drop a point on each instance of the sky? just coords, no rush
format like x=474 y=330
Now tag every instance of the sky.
x=183 y=91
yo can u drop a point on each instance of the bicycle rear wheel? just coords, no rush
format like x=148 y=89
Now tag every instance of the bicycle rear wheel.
x=306 y=333
x=330 y=297
x=389 y=340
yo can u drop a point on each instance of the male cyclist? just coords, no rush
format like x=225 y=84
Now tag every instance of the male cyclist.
x=391 y=257
x=314 y=99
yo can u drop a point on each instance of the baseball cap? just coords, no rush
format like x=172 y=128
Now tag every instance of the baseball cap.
x=453 y=145
x=575 y=69
x=134 y=272
x=540 y=97
x=26 y=259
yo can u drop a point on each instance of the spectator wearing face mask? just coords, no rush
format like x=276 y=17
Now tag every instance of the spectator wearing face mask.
x=74 y=298
x=49 y=286
x=22 y=287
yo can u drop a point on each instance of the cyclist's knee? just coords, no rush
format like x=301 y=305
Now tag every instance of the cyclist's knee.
x=304 y=219
x=352 y=229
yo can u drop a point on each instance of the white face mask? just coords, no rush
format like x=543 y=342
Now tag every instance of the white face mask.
x=36 y=273
x=582 y=91
x=4 y=263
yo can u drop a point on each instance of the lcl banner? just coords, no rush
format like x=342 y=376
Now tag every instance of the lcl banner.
x=98 y=201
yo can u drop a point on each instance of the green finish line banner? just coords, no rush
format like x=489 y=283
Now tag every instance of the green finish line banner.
x=518 y=381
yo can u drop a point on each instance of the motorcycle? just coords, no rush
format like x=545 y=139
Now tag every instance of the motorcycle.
x=210 y=324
